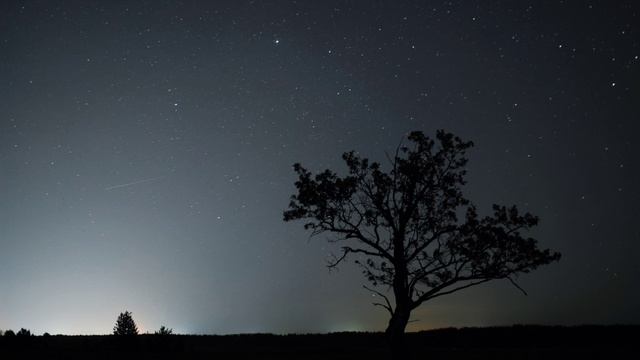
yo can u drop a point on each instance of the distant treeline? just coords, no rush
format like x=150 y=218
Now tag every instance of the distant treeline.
x=530 y=342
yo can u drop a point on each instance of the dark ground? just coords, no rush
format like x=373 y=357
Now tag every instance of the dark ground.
x=517 y=342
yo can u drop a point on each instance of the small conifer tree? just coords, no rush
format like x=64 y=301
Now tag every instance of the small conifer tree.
x=125 y=325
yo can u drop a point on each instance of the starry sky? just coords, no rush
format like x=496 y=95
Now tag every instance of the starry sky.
x=146 y=151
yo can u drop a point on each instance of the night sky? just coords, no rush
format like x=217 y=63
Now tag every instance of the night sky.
x=146 y=151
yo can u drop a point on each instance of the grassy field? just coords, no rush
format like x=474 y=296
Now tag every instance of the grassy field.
x=517 y=342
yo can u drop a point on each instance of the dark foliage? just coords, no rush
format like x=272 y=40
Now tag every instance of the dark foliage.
x=23 y=332
x=9 y=333
x=517 y=342
x=411 y=228
x=164 y=331
x=125 y=325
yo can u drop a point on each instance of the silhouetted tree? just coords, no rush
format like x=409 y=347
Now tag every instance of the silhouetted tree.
x=164 y=331
x=411 y=228
x=125 y=325
x=23 y=332
x=9 y=333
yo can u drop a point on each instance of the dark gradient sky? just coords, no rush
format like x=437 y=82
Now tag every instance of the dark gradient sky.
x=146 y=151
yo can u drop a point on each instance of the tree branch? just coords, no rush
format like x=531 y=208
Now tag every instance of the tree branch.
x=386 y=299
x=356 y=234
x=513 y=282
x=346 y=250
x=426 y=297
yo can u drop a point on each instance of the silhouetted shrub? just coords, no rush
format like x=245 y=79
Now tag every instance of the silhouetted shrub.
x=125 y=325
x=164 y=331
x=23 y=332
x=46 y=334
x=9 y=333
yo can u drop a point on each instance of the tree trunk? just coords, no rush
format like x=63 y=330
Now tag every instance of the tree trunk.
x=402 y=311
x=395 y=332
